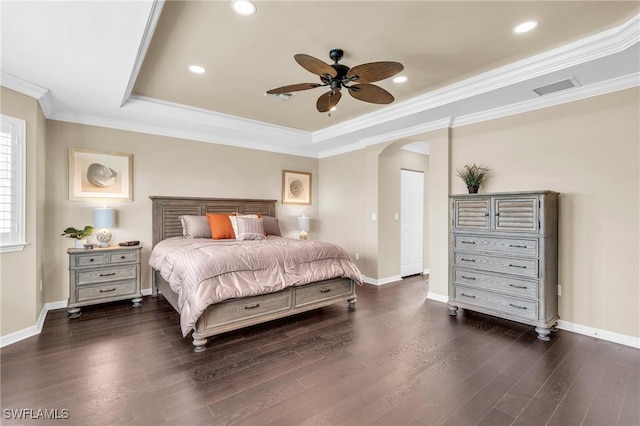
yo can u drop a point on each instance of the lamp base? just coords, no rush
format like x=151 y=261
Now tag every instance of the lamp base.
x=304 y=235
x=104 y=238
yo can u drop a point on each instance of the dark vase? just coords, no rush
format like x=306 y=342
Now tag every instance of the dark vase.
x=473 y=189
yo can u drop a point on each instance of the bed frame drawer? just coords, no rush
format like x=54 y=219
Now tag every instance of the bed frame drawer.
x=322 y=291
x=233 y=310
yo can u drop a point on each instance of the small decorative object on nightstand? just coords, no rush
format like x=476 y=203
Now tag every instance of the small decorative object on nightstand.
x=103 y=219
x=304 y=223
x=103 y=275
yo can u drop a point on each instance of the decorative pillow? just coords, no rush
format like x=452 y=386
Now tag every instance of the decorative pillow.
x=220 y=226
x=234 y=222
x=250 y=228
x=195 y=226
x=271 y=226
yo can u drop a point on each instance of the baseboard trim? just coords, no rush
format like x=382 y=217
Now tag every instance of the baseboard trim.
x=37 y=328
x=381 y=281
x=437 y=297
x=598 y=333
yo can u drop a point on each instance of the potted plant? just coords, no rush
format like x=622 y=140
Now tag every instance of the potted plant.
x=473 y=176
x=80 y=235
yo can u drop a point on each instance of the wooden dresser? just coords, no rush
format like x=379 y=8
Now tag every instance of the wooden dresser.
x=504 y=257
x=103 y=275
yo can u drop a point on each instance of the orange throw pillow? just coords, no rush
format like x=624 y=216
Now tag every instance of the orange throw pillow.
x=220 y=226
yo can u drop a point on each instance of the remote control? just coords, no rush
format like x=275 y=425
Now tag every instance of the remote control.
x=129 y=243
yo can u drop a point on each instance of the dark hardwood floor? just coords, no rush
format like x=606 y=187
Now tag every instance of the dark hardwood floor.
x=396 y=359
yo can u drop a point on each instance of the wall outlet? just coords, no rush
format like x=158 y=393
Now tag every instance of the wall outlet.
x=357 y=256
x=41 y=286
x=559 y=290
x=396 y=216
x=373 y=216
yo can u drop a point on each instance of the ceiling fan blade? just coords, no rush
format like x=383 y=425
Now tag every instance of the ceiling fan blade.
x=374 y=71
x=328 y=100
x=370 y=93
x=315 y=66
x=293 y=88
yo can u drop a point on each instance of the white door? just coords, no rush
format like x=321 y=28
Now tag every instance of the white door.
x=411 y=205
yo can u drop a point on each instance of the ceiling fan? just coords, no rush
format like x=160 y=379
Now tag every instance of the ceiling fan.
x=356 y=80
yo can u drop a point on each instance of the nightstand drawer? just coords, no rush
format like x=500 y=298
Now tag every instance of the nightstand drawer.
x=106 y=290
x=123 y=257
x=90 y=259
x=106 y=274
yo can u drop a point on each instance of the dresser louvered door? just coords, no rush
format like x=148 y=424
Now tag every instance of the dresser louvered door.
x=472 y=214
x=516 y=214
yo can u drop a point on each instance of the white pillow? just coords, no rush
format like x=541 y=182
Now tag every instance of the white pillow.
x=195 y=226
x=234 y=221
x=250 y=228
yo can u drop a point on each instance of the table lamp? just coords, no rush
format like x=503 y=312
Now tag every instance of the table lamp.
x=104 y=218
x=304 y=224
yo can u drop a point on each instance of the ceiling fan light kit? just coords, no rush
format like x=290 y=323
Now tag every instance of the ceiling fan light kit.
x=356 y=80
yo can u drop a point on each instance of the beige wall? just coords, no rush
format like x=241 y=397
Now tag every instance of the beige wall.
x=589 y=152
x=390 y=162
x=21 y=297
x=162 y=166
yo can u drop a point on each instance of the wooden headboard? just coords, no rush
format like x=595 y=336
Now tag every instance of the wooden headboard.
x=166 y=211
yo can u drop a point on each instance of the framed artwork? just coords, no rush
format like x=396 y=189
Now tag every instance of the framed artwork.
x=296 y=187
x=100 y=174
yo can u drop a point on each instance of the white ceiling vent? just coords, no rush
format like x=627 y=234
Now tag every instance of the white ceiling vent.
x=280 y=96
x=556 y=87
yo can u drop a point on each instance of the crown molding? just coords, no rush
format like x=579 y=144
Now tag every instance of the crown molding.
x=147 y=35
x=590 y=48
x=418 y=149
x=210 y=136
x=571 y=95
x=34 y=91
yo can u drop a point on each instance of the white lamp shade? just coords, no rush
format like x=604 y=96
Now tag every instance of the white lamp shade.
x=104 y=218
x=304 y=223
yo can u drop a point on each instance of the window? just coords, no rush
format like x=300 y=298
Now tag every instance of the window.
x=12 y=184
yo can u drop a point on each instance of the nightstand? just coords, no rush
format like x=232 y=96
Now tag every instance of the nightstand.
x=103 y=275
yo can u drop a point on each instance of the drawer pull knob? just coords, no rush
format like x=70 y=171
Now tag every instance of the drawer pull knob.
x=497 y=214
x=517 y=246
x=467 y=260
x=255 y=305
x=91 y=260
x=123 y=257
x=468 y=242
x=108 y=274
x=518 y=266
x=486 y=214
x=325 y=290
x=468 y=278
x=519 y=286
x=468 y=295
x=516 y=306
x=107 y=291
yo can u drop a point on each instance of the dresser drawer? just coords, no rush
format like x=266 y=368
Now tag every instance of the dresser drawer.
x=243 y=309
x=497 y=283
x=106 y=291
x=517 y=247
x=523 y=267
x=123 y=257
x=90 y=259
x=106 y=274
x=321 y=291
x=498 y=302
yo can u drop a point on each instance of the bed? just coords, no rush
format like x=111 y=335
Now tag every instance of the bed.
x=235 y=313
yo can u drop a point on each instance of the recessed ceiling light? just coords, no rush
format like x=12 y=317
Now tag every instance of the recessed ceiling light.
x=400 y=79
x=197 y=69
x=525 y=27
x=243 y=7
